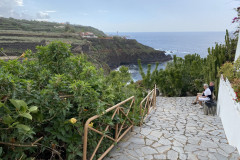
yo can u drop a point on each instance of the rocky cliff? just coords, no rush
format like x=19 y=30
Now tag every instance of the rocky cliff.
x=119 y=51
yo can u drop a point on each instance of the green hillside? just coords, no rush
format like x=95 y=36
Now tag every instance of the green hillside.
x=42 y=26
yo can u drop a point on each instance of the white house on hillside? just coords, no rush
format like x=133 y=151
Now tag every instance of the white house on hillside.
x=88 y=35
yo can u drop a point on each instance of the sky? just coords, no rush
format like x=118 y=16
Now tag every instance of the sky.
x=129 y=15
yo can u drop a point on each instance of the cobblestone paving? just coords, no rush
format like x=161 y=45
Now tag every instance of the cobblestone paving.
x=176 y=130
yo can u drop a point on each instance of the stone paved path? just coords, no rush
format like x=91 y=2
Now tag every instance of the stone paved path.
x=176 y=130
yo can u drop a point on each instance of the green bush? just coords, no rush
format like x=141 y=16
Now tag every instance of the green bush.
x=184 y=76
x=43 y=79
x=227 y=70
x=237 y=67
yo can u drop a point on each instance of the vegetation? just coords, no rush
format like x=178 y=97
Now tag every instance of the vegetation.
x=232 y=73
x=47 y=98
x=184 y=76
x=42 y=26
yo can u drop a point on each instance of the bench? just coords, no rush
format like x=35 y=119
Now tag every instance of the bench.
x=210 y=107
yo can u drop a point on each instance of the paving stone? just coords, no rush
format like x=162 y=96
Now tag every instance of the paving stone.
x=182 y=156
x=227 y=148
x=164 y=141
x=153 y=138
x=181 y=138
x=149 y=157
x=156 y=134
x=202 y=158
x=220 y=151
x=190 y=148
x=137 y=141
x=149 y=142
x=212 y=150
x=156 y=144
x=145 y=131
x=163 y=149
x=161 y=156
x=192 y=156
x=176 y=143
x=172 y=155
x=220 y=156
x=178 y=149
x=208 y=144
x=201 y=153
x=211 y=156
x=139 y=152
x=148 y=150
x=193 y=140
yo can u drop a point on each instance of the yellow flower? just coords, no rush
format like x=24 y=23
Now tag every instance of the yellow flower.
x=73 y=120
x=90 y=124
x=23 y=55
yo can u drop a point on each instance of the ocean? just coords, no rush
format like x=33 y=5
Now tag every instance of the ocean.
x=174 y=43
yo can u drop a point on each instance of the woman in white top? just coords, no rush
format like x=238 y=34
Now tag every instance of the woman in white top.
x=206 y=96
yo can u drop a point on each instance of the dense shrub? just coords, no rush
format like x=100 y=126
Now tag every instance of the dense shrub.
x=227 y=70
x=51 y=94
x=232 y=73
x=184 y=76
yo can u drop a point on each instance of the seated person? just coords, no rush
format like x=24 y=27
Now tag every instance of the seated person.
x=206 y=96
x=211 y=87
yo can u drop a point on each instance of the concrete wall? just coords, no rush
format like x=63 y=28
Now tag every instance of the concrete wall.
x=229 y=111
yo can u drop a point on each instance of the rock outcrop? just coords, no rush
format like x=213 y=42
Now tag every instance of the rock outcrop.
x=119 y=51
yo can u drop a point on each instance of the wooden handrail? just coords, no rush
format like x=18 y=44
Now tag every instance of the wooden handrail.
x=118 y=135
x=150 y=103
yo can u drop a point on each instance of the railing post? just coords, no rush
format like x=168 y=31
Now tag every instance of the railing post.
x=141 y=114
x=155 y=95
x=147 y=105
x=85 y=141
x=116 y=128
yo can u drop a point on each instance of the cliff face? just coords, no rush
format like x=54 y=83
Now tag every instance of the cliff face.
x=119 y=51
x=101 y=51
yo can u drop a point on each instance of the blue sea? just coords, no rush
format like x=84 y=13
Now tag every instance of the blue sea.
x=174 y=43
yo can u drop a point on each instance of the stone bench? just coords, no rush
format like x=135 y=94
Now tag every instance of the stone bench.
x=210 y=107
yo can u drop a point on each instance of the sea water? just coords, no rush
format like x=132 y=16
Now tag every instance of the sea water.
x=173 y=43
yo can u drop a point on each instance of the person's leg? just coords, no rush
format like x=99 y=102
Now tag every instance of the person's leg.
x=197 y=98
x=195 y=102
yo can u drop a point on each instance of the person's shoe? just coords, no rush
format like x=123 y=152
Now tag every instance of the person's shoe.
x=201 y=107
x=194 y=103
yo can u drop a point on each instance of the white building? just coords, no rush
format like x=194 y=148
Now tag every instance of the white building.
x=88 y=35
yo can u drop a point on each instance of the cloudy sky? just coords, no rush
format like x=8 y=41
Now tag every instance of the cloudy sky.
x=129 y=15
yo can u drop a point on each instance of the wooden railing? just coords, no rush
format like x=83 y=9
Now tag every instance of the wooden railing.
x=118 y=135
x=121 y=128
x=147 y=104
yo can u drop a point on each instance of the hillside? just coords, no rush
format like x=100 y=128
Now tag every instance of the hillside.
x=104 y=52
x=42 y=26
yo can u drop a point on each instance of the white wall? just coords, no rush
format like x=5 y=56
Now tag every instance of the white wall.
x=229 y=111
x=238 y=50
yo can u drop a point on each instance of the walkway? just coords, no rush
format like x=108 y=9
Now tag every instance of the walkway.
x=176 y=130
